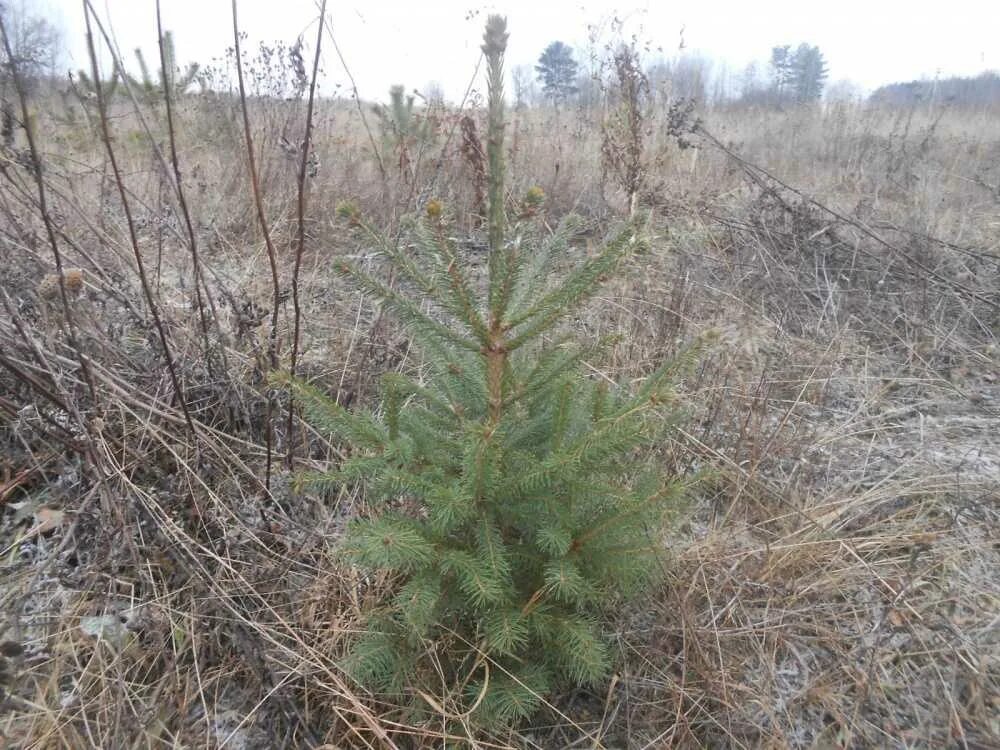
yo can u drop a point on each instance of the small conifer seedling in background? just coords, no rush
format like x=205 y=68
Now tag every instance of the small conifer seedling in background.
x=530 y=504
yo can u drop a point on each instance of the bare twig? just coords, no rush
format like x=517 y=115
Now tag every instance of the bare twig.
x=140 y=266
x=199 y=279
x=357 y=101
x=861 y=227
x=300 y=246
x=271 y=254
x=36 y=168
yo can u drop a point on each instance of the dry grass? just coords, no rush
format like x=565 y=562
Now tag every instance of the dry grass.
x=835 y=582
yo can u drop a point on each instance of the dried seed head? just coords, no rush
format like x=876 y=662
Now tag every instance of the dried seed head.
x=73 y=278
x=48 y=287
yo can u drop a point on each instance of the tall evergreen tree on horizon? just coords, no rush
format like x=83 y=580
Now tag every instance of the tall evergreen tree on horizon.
x=808 y=73
x=798 y=76
x=781 y=69
x=557 y=71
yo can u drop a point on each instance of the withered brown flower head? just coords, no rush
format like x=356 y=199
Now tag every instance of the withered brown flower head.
x=73 y=278
x=48 y=287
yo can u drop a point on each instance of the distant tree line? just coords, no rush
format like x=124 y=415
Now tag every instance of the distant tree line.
x=794 y=76
x=980 y=90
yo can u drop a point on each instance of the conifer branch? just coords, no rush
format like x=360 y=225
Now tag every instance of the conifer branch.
x=329 y=416
x=454 y=280
x=494 y=47
x=533 y=272
x=672 y=491
x=389 y=542
x=411 y=316
x=580 y=285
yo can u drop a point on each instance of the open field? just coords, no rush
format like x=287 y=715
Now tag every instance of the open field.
x=834 y=581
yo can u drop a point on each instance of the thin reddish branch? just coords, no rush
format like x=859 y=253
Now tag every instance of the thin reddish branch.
x=258 y=198
x=300 y=246
x=133 y=237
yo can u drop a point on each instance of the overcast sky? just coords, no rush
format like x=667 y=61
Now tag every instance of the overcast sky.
x=391 y=41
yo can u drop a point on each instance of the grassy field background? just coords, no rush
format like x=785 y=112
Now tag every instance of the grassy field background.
x=834 y=582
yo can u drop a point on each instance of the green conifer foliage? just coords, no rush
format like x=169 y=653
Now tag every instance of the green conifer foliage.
x=149 y=90
x=404 y=131
x=530 y=506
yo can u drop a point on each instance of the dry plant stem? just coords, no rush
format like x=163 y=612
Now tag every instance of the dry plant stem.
x=416 y=170
x=62 y=400
x=22 y=371
x=432 y=182
x=622 y=139
x=173 y=176
x=864 y=229
x=199 y=279
x=271 y=255
x=71 y=329
x=27 y=378
x=140 y=266
x=472 y=151
x=36 y=169
x=191 y=555
x=108 y=287
x=357 y=102
x=300 y=246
